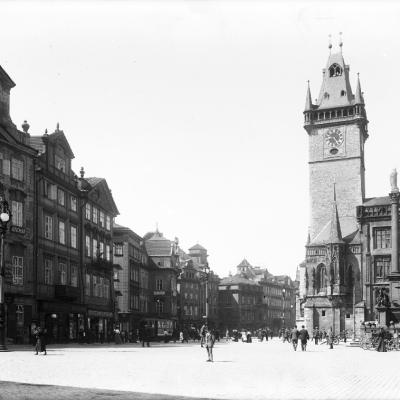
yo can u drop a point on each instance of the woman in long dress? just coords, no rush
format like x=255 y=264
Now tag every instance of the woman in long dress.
x=381 y=341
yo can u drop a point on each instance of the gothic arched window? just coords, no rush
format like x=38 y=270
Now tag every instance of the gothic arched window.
x=320 y=277
x=335 y=70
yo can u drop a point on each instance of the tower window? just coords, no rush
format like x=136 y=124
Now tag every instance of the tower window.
x=326 y=95
x=323 y=313
x=335 y=70
x=333 y=151
x=343 y=93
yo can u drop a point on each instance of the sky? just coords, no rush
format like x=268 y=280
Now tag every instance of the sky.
x=193 y=110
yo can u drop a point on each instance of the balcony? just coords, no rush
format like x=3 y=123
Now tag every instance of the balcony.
x=65 y=292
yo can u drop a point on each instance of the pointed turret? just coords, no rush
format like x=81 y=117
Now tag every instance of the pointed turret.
x=336 y=88
x=359 y=98
x=309 y=104
x=335 y=233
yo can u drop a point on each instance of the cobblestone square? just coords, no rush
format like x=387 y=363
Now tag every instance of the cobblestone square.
x=269 y=370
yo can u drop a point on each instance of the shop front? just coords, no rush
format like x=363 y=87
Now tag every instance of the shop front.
x=63 y=323
x=100 y=325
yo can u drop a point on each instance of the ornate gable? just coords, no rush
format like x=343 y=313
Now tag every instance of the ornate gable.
x=101 y=195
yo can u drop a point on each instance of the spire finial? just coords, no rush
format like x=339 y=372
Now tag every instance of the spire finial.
x=340 y=41
x=157 y=227
x=82 y=172
x=58 y=127
x=330 y=43
x=334 y=189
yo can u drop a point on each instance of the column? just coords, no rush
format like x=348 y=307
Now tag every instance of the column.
x=394 y=199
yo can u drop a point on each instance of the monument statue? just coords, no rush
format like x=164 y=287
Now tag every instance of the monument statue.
x=393 y=181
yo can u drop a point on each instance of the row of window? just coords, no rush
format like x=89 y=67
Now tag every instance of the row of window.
x=98 y=217
x=97 y=249
x=52 y=192
x=12 y=167
x=139 y=303
x=190 y=310
x=61 y=275
x=97 y=286
x=63 y=237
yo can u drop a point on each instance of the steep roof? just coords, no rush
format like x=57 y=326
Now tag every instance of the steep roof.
x=377 y=201
x=237 y=279
x=244 y=263
x=158 y=245
x=335 y=235
x=102 y=186
x=359 y=98
x=335 y=89
x=5 y=79
x=198 y=247
x=309 y=104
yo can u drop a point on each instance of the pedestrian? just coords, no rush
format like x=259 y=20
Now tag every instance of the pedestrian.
x=209 y=342
x=295 y=337
x=381 y=341
x=248 y=337
x=203 y=330
x=40 y=341
x=117 y=336
x=303 y=336
x=330 y=337
x=316 y=335
x=145 y=336
x=227 y=337
x=165 y=336
x=181 y=337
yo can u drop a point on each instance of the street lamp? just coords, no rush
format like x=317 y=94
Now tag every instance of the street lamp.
x=207 y=272
x=283 y=306
x=5 y=216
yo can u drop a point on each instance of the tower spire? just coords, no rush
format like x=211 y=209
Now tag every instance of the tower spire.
x=336 y=233
x=359 y=98
x=340 y=42
x=309 y=103
x=330 y=43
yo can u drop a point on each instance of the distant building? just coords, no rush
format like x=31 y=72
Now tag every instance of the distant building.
x=254 y=298
x=192 y=293
x=164 y=254
x=135 y=282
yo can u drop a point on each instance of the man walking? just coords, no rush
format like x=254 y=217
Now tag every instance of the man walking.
x=316 y=335
x=295 y=337
x=303 y=336
x=209 y=342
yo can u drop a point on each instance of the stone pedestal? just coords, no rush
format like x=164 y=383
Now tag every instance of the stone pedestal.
x=383 y=316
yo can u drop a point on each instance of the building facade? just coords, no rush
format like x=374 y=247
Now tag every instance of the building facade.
x=135 y=281
x=164 y=254
x=98 y=267
x=58 y=252
x=17 y=177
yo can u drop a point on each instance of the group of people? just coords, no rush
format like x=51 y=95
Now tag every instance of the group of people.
x=293 y=336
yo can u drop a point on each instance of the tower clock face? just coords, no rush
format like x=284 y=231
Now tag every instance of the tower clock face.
x=334 y=137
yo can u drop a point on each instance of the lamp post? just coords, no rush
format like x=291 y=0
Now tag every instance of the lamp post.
x=5 y=216
x=283 y=306
x=207 y=272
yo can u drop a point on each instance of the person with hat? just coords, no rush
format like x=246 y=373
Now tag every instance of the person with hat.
x=303 y=336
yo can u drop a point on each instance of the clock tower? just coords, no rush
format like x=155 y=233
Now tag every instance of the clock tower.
x=337 y=129
x=336 y=124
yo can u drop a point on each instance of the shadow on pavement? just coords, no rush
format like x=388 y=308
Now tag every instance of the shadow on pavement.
x=25 y=391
